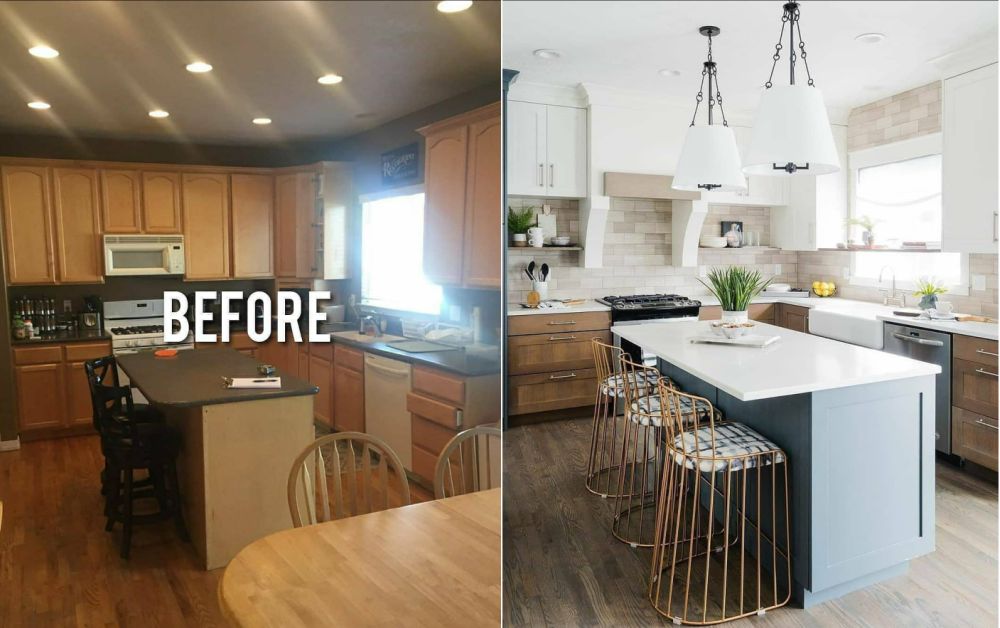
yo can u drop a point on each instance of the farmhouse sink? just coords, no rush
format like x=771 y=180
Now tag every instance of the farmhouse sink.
x=855 y=326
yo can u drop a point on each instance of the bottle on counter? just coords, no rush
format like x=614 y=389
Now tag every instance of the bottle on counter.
x=29 y=329
x=17 y=327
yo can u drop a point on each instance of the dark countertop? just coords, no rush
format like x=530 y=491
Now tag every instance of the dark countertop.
x=63 y=337
x=457 y=361
x=194 y=378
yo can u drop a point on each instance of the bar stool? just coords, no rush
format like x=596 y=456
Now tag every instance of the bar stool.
x=721 y=520
x=606 y=444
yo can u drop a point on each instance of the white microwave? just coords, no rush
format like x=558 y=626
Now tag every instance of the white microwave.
x=138 y=255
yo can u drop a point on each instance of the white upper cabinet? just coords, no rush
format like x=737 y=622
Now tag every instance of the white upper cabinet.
x=762 y=191
x=969 y=162
x=546 y=150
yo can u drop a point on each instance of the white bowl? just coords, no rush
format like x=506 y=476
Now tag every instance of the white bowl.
x=560 y=240
x=735 y=331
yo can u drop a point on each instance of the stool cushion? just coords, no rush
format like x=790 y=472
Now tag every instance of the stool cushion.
x=615 y=385
x=731 y=439
x=647 y=410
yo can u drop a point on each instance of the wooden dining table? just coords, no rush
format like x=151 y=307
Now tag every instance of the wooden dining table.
x=430 y=564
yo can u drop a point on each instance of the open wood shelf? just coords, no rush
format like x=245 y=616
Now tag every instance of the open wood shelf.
x=544 y=249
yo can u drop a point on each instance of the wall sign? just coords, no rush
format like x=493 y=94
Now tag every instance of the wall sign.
x=400 y=165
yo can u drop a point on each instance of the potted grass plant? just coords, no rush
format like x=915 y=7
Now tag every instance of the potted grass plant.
x=735 y=287
x=928 y=289
x=518 y=223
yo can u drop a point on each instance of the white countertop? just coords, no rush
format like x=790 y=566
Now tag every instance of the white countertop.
x=798 y=363
x=515 y=309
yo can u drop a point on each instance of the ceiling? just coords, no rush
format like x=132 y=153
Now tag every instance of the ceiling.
x=625 y=44
x=119 y=60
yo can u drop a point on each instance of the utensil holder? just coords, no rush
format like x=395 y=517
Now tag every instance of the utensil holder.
x=542 y=288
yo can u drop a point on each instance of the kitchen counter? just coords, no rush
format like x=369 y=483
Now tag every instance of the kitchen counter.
x=64 y=337
x=458 y=361
x=515 y=309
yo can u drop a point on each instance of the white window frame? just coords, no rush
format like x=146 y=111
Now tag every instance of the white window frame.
x=922 y=146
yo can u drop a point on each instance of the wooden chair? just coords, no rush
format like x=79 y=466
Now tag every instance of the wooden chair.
x=331 y=480
x=470 y=456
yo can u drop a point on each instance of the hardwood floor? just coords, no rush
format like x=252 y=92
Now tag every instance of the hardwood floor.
x=563 y=567
x=58 y=567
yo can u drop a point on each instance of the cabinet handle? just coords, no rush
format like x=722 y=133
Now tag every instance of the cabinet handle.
x=985 y=372
x=552 y=175
x=459 y=417
x=985 y=352
x=920 y=341
x=995 y=214
x=562 y=323
x=558 y=338
x=989 y=425
x=541 y=175
x=570 y=376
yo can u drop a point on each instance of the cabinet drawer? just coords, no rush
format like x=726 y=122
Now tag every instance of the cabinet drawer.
x=552 y=391
x=977 y=350
x=350 y=358
x=424 y=463
x=441 y=413
x=321 y=350
x=241 y=340
x=80 y=352
x=38 y=355
x=557 y=323
x=974 y=387
x=974 y=437
x=552 y=352
x=429 y=434
x=441 y=385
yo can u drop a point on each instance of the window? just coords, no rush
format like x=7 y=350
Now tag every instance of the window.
x=898 y=188
x=392 y=247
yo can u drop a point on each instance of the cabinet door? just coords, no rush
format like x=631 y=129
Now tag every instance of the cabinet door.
x=302 y=360
x=286 y=190
x=974 y=437
x=349 y=400
x=121 y=203
x=161 y=202
x=321 y=375
x=974 y=387
x=526 y=148
x=27 y=208
x=969 y=162
x=41 y=396
x=206 y=225
x=80 y=411
x=566 y=151
x=306 y=258
x=543 y=392
x=795 y=318
x=78 y=226
x=483 y=219
x=444 y=205
x=253 y=223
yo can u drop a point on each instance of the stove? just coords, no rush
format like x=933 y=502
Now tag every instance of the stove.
x=640 y=308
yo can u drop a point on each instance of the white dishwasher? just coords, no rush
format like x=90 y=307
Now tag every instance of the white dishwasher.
x=387 y=383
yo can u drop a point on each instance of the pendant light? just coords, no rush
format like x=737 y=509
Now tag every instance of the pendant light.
x=709 y=159
x=792 y=133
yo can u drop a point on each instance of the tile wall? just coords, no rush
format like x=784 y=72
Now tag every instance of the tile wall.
x=899 y=117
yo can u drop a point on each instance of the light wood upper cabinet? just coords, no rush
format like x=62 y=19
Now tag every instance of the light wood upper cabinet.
x=285 y=195
x=444 y=208
x=483 y=220
x=78 y=226
x=306 y=264
x=253 y=225
x=161 y=202
x=295 y=221
x=27 y=212
x=121 y=203
x=206 y=225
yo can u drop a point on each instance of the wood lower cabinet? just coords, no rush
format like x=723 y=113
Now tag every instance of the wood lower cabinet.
x=542 y=392
x=253 y=225
x=763 y=312
x=552 y=352
x=28 y=224
x=348 y=389
x=79 y=249
x=121 y=201
x=794 y=317
x=53 y=396
x=206 y=225
x=321 y=376
x=974 y=437
x=974 y=378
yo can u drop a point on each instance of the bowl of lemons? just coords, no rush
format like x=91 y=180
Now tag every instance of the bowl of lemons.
x=824 y=288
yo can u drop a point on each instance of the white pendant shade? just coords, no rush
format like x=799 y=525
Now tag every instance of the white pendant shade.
x=709 y=157
x=791 y=127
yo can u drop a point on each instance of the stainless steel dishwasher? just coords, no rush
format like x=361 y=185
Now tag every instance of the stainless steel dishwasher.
x=934 y=347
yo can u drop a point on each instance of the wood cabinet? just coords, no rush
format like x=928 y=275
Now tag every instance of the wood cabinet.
x=793 y=317
x=206 y=225
x=321 y=376
x=974 y=375
x=295 y=222
x=161 y=202
x=79 y=250
x=28 y=225
x=969 y=162
x=348 y=389
x=462 y=212
x=547 y=151
x=253 y=225
x=52 y=393
x=763 y=312
x=550 y=359
x=121 y=201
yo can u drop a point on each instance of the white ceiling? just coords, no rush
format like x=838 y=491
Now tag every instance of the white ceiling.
x=121 y=59
x=625 y=44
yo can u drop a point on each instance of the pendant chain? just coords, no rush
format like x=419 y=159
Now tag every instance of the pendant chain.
x=709 y=71
x=791 y=18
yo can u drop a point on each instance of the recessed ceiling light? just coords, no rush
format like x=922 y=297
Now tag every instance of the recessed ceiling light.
x=870 y=38
x=38 y=104
x=546 y=53
x=669 y=73
x=43 y=52
x=199 y=67
x=330 y=79
x=262 y=121
x=453 y=6
x=158 y=113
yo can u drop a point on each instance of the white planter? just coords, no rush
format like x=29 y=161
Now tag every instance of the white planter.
x=520 y=239
x=740 y=316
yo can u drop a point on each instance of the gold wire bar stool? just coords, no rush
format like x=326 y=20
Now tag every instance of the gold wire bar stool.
x=722 y=518
x=604 y=464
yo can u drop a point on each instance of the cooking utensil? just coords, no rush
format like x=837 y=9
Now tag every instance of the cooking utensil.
x=545 y=272
x=531 y=270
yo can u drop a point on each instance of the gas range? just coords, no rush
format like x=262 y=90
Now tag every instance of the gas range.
x=135 y=325
x=651 y=307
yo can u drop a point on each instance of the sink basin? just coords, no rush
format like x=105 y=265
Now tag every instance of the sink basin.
x=354 y=336
x=860 y=328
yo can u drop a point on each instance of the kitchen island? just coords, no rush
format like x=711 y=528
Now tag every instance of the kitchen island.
x=238 y=445
x=857 y=426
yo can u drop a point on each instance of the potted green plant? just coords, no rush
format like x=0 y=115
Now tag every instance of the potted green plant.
x=735 y=287
x=928 y=290
x=867 y=224
x=518 y=223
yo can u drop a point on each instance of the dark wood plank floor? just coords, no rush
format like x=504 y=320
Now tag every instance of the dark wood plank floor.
x=562 y=567
x=58 y=567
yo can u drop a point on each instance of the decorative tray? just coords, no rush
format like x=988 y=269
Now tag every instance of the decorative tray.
x=750 y=340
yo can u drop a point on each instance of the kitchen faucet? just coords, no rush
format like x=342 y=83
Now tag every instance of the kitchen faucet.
x=370 y=325
x=887 y=297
